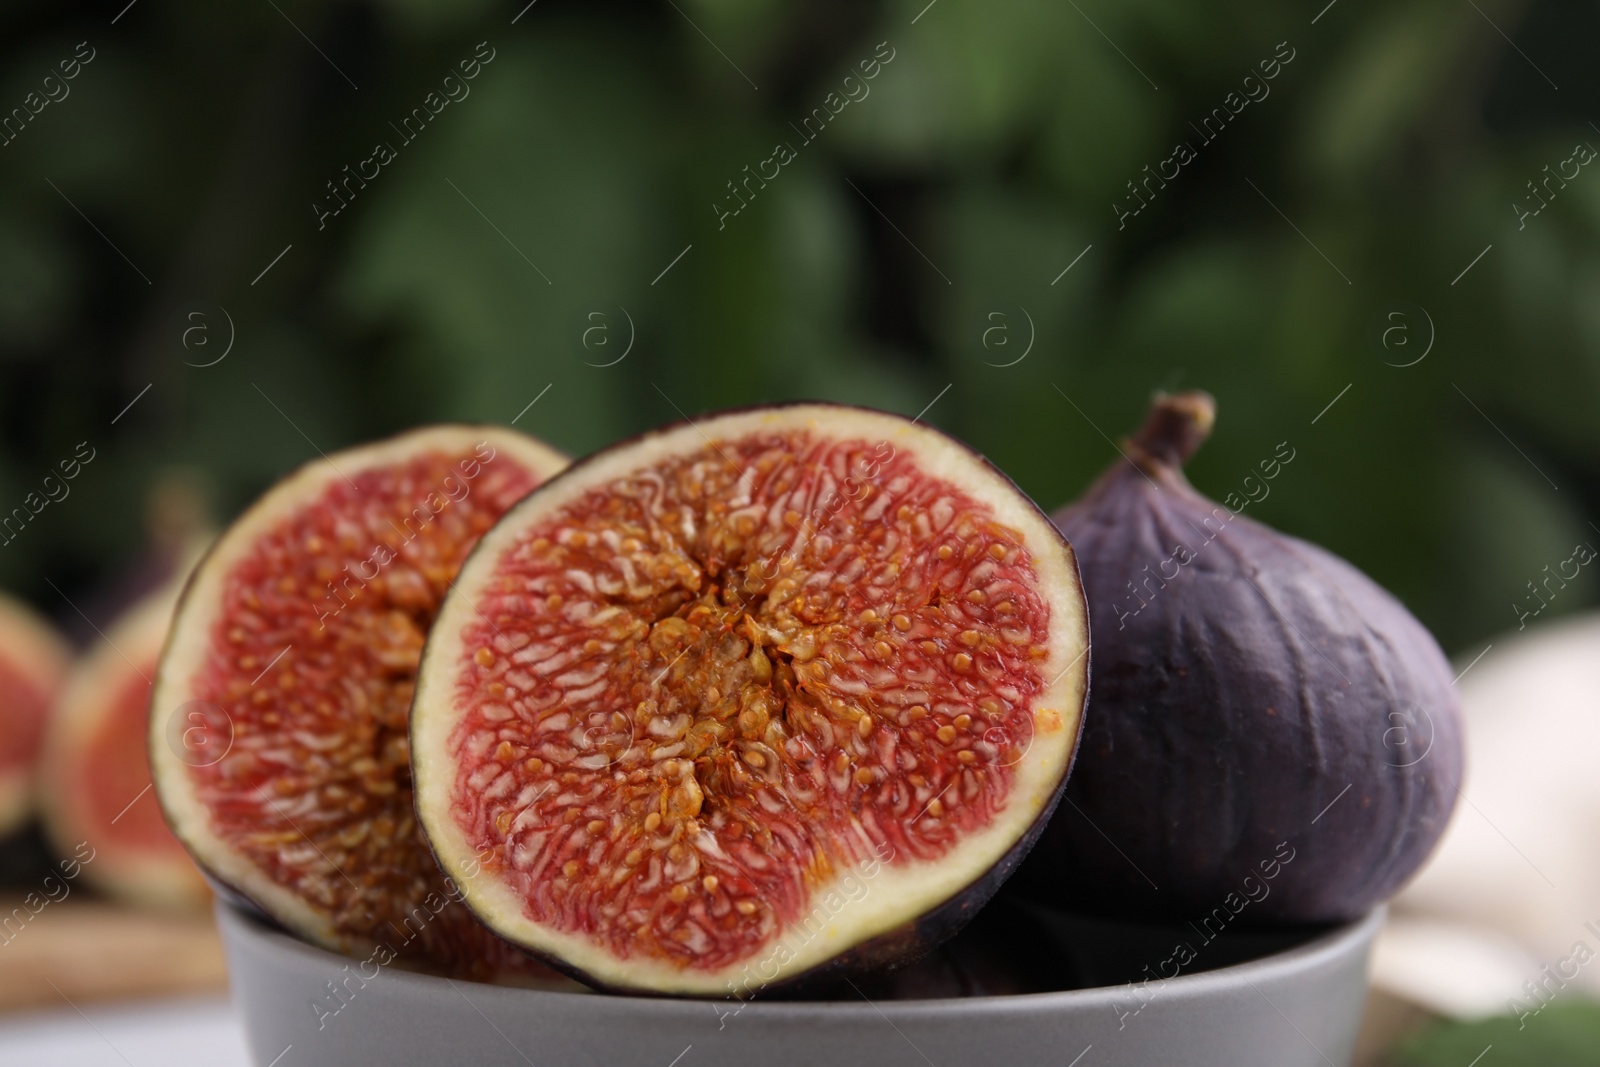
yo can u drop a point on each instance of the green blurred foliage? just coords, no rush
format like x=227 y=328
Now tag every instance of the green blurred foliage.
x=917 y=242
x=1565 y=1034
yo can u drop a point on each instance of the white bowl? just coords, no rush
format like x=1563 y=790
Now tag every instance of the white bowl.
x=1297 y=1004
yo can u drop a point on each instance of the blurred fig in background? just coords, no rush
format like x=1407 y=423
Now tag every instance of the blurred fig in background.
x=179 y=524
x=94 y=783
x=94 y=787
x=33 y=669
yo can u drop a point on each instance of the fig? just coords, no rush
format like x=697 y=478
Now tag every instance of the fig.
x=278 y=726
x=1271 y=736
x=95 y=770
x=768 y=697
x=33 y=668
x=1005 y=951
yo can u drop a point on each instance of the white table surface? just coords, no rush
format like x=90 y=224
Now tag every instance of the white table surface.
x=163 y=1033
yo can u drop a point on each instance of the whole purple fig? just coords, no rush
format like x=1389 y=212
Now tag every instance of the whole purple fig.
x=1270 y=736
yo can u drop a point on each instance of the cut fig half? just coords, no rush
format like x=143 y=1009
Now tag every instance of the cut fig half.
x=33 y=668
x=278 y=728
x=774 y=694
x=95 y=770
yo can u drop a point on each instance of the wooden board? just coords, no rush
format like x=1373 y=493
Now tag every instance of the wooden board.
x=94 y=951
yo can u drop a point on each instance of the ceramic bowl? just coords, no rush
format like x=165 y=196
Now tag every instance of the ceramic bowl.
x=1283 y=999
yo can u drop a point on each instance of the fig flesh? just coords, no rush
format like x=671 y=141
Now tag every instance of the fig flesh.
x=1271 y=736
x=277 y=731
x=95 y=771
x=766 y=696
x=33 y=667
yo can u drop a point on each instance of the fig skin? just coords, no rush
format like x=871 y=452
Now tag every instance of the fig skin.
x=1267 y=700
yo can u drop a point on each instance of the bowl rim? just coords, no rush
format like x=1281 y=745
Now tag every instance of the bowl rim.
x=1331 y=945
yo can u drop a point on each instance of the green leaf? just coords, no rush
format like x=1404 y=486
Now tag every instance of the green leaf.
x=1562 y=1035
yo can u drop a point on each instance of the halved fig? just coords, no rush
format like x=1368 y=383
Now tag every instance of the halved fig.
x=33 y=668
x=95 y=770
x=277 y=732
x=783 y=692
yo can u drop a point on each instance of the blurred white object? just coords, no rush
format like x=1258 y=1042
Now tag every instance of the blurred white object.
x=1462 y=971
x=1518 y=868
x=188 y=1033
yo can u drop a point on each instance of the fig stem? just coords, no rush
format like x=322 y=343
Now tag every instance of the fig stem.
x=1177 y=425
